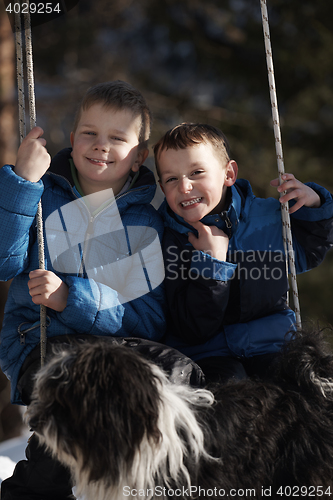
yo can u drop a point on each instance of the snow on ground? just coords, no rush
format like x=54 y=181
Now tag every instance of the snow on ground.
x=6 y=467
x=11 y=451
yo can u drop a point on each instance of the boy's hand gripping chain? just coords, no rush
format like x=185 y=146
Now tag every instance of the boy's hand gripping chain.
x=286 y=227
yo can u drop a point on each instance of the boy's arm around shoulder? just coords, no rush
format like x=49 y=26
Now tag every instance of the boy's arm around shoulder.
x=98 y=309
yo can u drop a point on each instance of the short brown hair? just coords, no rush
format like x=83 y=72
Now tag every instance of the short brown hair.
x=188 y=134
x=118 y=95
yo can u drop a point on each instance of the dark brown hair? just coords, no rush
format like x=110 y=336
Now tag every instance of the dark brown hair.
x=189 y=134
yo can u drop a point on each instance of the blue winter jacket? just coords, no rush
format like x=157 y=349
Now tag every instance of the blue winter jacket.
x=111 y=261
x=238 y=307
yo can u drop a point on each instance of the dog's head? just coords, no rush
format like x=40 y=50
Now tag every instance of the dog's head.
x=92 y=404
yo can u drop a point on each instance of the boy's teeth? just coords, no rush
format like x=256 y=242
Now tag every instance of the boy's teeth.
x=98 y=161
x=191 y=202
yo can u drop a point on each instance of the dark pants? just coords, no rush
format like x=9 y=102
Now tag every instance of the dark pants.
x=223 y=368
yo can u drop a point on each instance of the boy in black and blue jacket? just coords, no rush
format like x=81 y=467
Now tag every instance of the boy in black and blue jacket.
x=225 y=266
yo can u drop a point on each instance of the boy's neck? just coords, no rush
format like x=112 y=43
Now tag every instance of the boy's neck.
x=98 y=190
x=224 y=203
x=98 y=196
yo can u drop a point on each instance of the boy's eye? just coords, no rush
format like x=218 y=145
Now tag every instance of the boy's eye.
x=118 y=139
x=171 y=179
x=196 y=172
x=88 y=132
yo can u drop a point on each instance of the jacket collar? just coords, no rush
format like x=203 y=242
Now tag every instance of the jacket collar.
x=227 y=220
x=60 y=165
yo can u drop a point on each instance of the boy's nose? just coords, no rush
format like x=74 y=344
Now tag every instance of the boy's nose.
x=185 y=185
x=102 y=145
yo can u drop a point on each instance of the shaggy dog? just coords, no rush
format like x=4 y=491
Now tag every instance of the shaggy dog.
x=125 y=430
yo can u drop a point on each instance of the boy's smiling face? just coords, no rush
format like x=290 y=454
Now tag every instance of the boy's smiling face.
x=194 y=180
x=106 y=147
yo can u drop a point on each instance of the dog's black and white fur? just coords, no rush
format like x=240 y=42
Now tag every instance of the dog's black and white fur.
x=125 y=430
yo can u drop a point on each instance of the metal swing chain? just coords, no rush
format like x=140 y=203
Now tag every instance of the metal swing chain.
x=22 y=128
x=286 y=226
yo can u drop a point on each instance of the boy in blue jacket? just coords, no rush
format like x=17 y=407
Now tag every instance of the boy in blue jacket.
x=102 y=250
x=226 y=282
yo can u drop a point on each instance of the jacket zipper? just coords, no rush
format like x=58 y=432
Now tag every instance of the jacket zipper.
x=225 y=218
x=90 y=231
x=228 y=223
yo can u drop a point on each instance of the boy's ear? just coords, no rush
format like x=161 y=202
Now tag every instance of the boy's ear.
x=160 y=183
x=141 y=158
x=72 y=138
x=231 y=173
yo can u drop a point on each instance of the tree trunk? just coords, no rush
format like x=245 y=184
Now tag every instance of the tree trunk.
x=8 y=107
x=10 y=416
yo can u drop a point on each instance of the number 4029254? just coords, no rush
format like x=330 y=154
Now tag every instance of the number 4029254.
x=33 y=8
